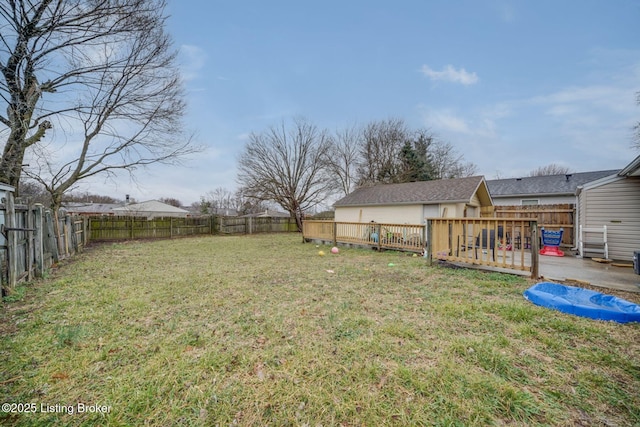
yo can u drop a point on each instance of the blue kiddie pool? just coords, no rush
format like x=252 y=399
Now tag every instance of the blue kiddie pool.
x=583 y=302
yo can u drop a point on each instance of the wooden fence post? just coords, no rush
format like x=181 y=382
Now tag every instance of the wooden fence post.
x=68 y=235
x=38 y=239
x=12 y=244
x=51 y=239
x=29 y=243
x=535 y=266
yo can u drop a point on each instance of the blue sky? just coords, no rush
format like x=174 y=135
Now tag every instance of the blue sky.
x=513 y=85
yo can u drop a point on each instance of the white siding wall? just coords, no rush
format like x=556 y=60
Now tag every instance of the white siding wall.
x=616 y=205
x=399 y=214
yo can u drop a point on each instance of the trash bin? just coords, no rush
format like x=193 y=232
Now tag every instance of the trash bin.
x=636 y=262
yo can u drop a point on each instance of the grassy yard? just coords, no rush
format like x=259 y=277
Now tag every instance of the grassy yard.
x=262 y=330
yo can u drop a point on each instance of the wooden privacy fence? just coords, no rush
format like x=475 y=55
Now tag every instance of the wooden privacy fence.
x=252 y=225
x=406 y=237
x=29 y=244
x=134 y=227
x=551 y=217
x=131 y=227
x=510 y=244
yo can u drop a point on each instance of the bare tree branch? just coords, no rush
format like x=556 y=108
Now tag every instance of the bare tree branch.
x=102 y=73
x=287 y=166
x=550 y=169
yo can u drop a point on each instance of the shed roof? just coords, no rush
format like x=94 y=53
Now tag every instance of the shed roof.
x=458 y=190
x=564 y=184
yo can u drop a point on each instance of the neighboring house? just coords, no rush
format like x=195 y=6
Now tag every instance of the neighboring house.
x=541 y=190
x=412 y=202
x=614 y=201
x=150 y=209
x=79 y=208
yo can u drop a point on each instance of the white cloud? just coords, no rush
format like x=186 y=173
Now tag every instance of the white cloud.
x=450 y=74
x=446 y=121
x=480 y=124
x=192 y=61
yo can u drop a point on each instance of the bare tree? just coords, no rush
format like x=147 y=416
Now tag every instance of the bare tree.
x=171 y=201
x=343 y=158
x=447 y=163
x=221 y=198
x=550 y=169
x=287 y=166
x=381 y=144
x=100 y=78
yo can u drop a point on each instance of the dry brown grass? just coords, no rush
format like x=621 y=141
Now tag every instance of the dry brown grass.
x=261 y=330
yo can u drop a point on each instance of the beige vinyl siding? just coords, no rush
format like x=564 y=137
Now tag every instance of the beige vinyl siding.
x=542 y=200
x=398 y=214
x=617 y=205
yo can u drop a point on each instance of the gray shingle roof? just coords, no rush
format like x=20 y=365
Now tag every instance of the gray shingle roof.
x=544 y=185
x=422 y=192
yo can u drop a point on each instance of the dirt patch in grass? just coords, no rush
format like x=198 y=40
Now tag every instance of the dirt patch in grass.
x=257 y=330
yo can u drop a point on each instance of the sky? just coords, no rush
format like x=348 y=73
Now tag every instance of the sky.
x=512 y=85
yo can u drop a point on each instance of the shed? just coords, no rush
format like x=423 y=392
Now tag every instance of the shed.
x=151 y=209
x=614 y=201
x=413 y=202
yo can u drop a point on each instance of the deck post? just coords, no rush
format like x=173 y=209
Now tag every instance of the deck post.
x=334 y=233
x=535 y=266
x=428 y=246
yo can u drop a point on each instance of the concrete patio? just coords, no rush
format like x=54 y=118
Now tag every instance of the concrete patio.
x=587 y=271
x=569 y=268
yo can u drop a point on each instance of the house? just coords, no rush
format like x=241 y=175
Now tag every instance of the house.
x=90 y=209
x=614 y=201
x=150 y=209
x=412 y=202
x=542 y=190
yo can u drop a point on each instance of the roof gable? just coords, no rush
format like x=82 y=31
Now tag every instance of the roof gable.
x=565 y=184
x=632 y=169
x=459 y=190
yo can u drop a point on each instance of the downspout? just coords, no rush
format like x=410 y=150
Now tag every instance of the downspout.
x=576 y=219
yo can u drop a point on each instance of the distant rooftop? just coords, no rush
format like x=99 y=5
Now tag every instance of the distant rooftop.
x=544 y=185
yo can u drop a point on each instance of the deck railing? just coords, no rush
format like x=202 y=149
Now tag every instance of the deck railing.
x=503 y=243
x=406 y=237
x=506 y=243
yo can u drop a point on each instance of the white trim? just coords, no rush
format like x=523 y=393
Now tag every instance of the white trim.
x=7 y=187
x=599 y=182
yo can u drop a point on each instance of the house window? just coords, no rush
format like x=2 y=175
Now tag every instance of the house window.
x=529 y=202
